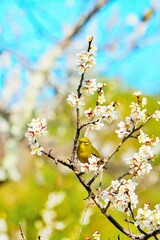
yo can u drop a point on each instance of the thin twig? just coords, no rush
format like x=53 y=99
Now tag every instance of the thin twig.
x=21 y=232
x=131 y=211
x=100 y=182
x=125 y=174
x=56 y=160
x=92 y=179
x=88 y=123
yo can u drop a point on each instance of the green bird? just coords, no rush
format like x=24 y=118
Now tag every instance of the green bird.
x=86 y=150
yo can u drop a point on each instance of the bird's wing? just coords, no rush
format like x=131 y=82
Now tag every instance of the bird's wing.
x=95 y=152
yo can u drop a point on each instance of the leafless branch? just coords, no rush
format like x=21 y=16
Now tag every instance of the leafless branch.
x=56 y=160
x=21 y=232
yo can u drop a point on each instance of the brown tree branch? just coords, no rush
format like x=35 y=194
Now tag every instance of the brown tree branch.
x=78 y=126
x=21 y=232
x=57 y=160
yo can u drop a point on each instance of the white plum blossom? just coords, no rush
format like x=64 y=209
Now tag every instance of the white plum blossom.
x=110 y=114
x=144 y=101
x=74 y=101
x=106 y=113
x=91 y=166
x=125 y=128
x=99 y=111
x=143 y=138
x=146 y=152
x=139 y=163
x=36 y=129
x=156 y=115
x=103 y=114
x=121 y=195
x=137 y=114
x=90 y=86
x=36 y=149
x=86 y=61
x=147 y=218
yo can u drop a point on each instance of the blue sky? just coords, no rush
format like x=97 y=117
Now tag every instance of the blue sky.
x=30 y=27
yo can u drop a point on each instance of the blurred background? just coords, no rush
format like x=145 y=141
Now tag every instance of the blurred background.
x=38 y=47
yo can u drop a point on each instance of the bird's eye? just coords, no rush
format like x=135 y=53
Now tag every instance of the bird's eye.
x=86 y=142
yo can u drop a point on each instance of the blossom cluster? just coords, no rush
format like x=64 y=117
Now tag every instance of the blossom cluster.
x=121 y=195
x=147 y=218
x=90 y=86
x=125 y=128
x=100 y=114
x=140 y=162
x=86 y=60
x=136 y=116
x=74 y=101
x=141 y=100
x=104 y=113
x=36 y=128
x=92 y=165
x=143 y=138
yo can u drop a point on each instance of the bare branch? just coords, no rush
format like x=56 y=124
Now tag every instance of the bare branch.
x=56 y=160
x=125 y=174
x=92 y=122
x=21 y=232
